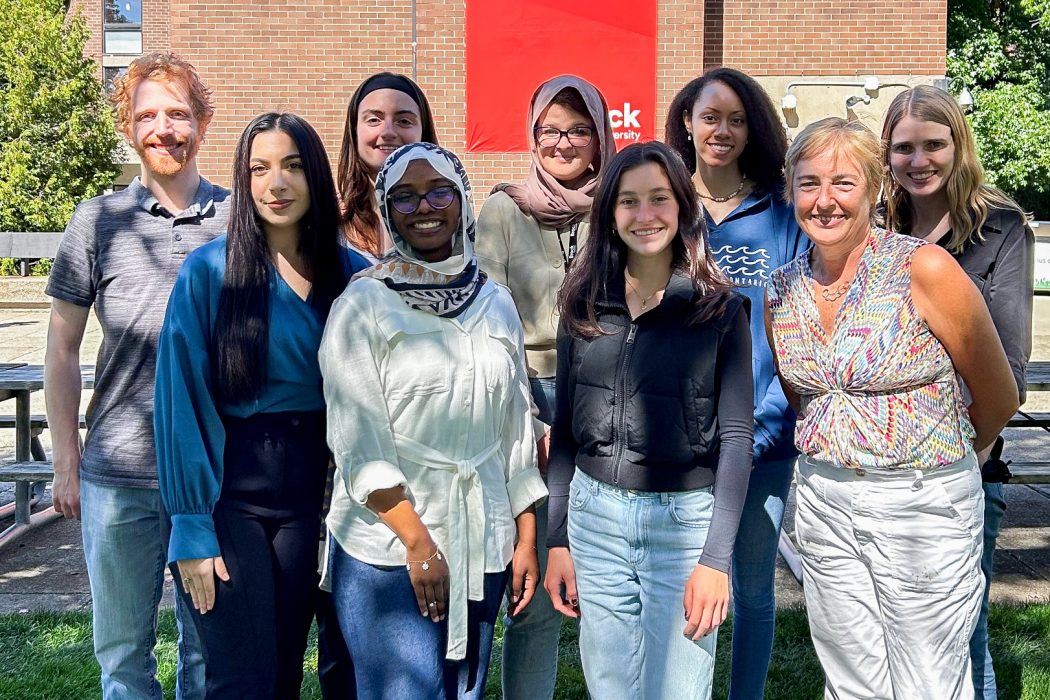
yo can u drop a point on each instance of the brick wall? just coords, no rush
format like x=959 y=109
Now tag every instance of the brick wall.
x=92 y=13
x=811 y=37
x=304 y=57
x=309 y=57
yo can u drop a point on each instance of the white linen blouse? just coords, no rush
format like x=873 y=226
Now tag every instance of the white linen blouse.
x=440 y=406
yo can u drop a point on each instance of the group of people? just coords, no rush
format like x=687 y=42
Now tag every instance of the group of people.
x=580 y=402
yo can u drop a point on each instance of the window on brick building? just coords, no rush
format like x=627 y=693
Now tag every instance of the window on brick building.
x=122 y=27
x=111 y=73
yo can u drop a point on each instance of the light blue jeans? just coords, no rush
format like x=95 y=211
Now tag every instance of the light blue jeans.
x=125 y=554
x=980 y=657
x=634 y=552
x=530 y=640
x=754 y=568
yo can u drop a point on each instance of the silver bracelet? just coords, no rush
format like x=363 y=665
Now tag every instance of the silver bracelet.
x=425 y=563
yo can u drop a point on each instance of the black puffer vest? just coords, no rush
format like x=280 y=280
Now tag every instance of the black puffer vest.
x=643 y=397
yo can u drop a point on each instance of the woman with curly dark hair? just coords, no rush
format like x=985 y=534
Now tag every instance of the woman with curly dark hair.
x=726 y=130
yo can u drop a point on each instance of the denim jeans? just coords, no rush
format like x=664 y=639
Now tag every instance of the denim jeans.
x=754 y=568
x=980 y=657
x=893 y=584
x=634 y=552
x=397 y=652
x=125 y=553
x=530 y=639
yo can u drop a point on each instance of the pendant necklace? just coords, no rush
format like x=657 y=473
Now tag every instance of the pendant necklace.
x=645 y=301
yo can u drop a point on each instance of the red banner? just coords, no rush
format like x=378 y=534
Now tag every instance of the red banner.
x=514 y=45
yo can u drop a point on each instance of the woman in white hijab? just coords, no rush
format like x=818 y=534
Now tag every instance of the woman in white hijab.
x=429 y=423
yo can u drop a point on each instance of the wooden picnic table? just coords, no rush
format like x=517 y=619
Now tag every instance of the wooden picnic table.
x=18 y=381
x=1038 y=376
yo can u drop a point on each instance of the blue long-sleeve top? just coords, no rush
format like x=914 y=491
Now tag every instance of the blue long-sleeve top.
x=187 y=417
x=757 y=237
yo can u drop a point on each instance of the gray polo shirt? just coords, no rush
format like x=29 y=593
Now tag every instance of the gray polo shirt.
x=121 y=253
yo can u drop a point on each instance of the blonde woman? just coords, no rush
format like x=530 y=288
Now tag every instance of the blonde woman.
x=935 y=190
x=870 y=330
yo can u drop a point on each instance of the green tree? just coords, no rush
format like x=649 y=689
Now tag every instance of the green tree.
x=57 y=141
x=998 y=50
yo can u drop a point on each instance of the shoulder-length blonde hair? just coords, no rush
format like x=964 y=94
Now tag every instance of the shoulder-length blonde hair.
x=969 y=196
x=841 y=137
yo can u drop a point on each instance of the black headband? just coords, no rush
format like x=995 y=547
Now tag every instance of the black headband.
x=390 y=81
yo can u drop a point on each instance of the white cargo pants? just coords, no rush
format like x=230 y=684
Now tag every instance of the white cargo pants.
x=892 y=574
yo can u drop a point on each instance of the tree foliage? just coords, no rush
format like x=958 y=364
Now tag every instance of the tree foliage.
x=998 y=49
x=57 y=142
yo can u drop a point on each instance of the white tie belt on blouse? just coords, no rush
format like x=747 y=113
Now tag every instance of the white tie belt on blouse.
x=465 y=549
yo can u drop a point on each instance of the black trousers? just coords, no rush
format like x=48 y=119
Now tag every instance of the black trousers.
x=266 y=520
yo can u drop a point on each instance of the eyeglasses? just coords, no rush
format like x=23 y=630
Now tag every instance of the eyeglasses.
x=408 y=202
x=578 y=136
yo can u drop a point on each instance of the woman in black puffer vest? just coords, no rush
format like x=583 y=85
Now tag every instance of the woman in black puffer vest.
x=652 y=438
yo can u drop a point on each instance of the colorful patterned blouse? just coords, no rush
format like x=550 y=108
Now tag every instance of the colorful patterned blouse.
x=881 y=392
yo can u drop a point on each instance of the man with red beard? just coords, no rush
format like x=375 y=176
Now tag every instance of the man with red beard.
x=120 y=254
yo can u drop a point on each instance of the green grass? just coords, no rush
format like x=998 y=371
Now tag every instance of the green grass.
x=47 y=656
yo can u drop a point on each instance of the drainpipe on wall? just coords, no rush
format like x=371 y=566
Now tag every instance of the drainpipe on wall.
x=414 y=40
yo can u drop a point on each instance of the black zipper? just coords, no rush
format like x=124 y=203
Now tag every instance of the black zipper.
x=620 y=400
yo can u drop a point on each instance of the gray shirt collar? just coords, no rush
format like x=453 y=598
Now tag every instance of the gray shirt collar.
x=203 y=200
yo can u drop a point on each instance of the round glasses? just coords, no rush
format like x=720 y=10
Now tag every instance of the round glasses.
x=408 y=202
x=578 y=136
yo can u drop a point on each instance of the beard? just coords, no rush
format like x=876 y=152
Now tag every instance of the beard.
x=166 y=164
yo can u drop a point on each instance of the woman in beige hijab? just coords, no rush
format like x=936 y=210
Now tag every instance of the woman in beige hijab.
x=527 y=236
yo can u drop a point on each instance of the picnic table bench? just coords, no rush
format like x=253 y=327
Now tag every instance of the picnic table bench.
x=18 y=381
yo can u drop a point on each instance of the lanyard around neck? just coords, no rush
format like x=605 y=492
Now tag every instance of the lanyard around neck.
x=568 y=255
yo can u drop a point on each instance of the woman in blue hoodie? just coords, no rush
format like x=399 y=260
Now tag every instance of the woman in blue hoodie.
x=727 y=131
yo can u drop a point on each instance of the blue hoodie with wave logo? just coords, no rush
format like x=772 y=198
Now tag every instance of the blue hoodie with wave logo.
x=757 y=237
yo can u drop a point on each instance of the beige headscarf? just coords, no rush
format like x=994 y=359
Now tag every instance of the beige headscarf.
x=542 y=196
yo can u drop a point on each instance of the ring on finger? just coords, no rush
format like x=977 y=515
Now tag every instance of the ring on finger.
x=432 y=604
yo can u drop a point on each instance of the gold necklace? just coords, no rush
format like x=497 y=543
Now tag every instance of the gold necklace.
x=639 y=294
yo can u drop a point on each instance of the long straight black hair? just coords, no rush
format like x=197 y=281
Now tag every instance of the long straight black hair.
x=604 y=253
x=242 y=322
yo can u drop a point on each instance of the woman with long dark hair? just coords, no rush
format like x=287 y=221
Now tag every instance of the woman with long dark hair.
x=429 y=422
x=652 y=436
x=528 y=236
x=727 y=131
x=387 y=111
x=239 y=411
x=935 y=189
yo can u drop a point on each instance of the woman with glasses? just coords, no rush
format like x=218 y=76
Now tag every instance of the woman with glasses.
x=934 y=189
x=528 y=235
x=729 y=135
x=239 y=412
x=387 y=111
x=429 y=421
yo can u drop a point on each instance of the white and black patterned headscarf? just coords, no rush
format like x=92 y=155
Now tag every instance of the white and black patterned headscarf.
x=443 y=288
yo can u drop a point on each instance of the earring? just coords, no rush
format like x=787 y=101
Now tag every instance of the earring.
x=689 y=136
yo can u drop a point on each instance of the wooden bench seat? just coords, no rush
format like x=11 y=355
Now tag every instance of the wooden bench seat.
x=1029 y=419
x=36 y=423
x=27 y=471
x=1030 y=472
